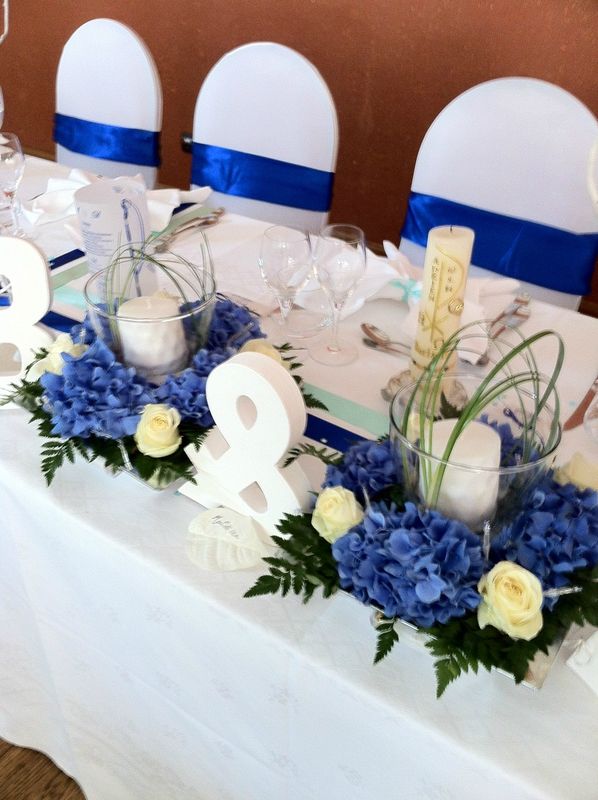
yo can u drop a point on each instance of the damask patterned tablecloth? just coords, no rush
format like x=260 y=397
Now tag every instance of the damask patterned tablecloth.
x=147 y=678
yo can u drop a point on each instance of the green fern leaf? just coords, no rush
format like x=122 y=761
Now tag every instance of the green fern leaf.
x=266 y=584
x=447 y=671
x=387 y=638
x=313 y=402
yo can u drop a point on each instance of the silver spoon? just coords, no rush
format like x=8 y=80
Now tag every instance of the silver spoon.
x=379 y=336
x=399 y=349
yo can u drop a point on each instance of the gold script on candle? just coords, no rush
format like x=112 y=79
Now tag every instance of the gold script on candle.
x=448 y=254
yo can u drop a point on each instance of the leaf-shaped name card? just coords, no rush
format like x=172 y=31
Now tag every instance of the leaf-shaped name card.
x=223 y=540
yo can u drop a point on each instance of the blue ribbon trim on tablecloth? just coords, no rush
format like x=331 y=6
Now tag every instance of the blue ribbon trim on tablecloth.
x=517 y=248
x=129 y=145
x=333 y=436
x=261 y=178
x=58 y=321
x=65 y=258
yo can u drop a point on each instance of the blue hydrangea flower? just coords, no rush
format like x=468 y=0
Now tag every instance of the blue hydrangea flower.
x=414 y=564
x=555 y=534
x=85 y=333
x=95 y=395
x=369 y=465
x=187 y=392
x=231 y=321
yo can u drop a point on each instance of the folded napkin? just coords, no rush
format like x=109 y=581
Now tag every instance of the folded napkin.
x=479 y=301
x=58 y=201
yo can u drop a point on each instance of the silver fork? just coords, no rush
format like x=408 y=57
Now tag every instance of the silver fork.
x=163 y=242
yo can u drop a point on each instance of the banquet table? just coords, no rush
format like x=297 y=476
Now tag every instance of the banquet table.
x=147 y=678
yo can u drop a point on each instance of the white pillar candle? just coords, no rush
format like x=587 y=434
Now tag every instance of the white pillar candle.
x=469 y=493
x=448 y=253
x=155 y=349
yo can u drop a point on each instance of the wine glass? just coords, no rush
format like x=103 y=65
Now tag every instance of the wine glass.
x=339 y=264
x=285 y=263
x=12 y=165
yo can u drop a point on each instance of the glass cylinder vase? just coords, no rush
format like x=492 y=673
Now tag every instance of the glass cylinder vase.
x=152 y=310
x=476 y=462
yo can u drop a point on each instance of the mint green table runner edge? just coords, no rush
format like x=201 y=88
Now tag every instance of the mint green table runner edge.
x=77 y=270
x=348 y=411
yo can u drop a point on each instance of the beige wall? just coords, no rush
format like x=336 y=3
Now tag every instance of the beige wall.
x=391 y=65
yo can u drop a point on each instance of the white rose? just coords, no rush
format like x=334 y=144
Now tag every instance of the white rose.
x=580 y=471
x=53 y=361
x=265 y=348
x=157 y=432
x=336 y=511
x=511 y=601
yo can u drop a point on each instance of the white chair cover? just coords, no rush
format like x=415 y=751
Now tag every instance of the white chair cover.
x=107 y=75
x=513 y=146
x=268 y=100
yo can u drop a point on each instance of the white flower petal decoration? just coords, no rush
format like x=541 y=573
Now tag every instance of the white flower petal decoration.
x=223 y=540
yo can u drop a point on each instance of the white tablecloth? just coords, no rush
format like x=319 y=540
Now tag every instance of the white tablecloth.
x=148 y=679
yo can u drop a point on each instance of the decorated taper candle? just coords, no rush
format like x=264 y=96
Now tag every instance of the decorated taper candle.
x=448 y=254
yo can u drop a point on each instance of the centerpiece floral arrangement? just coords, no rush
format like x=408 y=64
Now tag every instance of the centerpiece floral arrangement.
x=387 y=526
x=127 y=385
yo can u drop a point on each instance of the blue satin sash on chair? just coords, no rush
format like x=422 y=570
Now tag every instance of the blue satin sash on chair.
x=261 y=178
x=550 y=257
x=129 y=145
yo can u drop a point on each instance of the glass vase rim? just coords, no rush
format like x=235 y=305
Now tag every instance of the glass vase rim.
x=144 y=320
x=501 y=470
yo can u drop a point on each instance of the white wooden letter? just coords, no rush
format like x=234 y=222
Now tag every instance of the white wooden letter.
x=26 y=270
x=259 y=413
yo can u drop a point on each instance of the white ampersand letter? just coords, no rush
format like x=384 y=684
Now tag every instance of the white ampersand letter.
x=25 y=269
x=259 y=414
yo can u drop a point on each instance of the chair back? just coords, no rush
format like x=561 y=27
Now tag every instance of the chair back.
x=511 y=158
x=265 y=136
x=108 y=102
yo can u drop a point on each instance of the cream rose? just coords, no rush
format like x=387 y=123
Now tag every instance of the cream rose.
x=265 y=348
x=53 y=361
x=511 y=601
x=157 y=433
x=336 y=511
x=580 y=471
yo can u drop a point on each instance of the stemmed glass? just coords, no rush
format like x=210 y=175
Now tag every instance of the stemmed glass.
x=339 y=264
x=12 y=165
x=285 y=263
